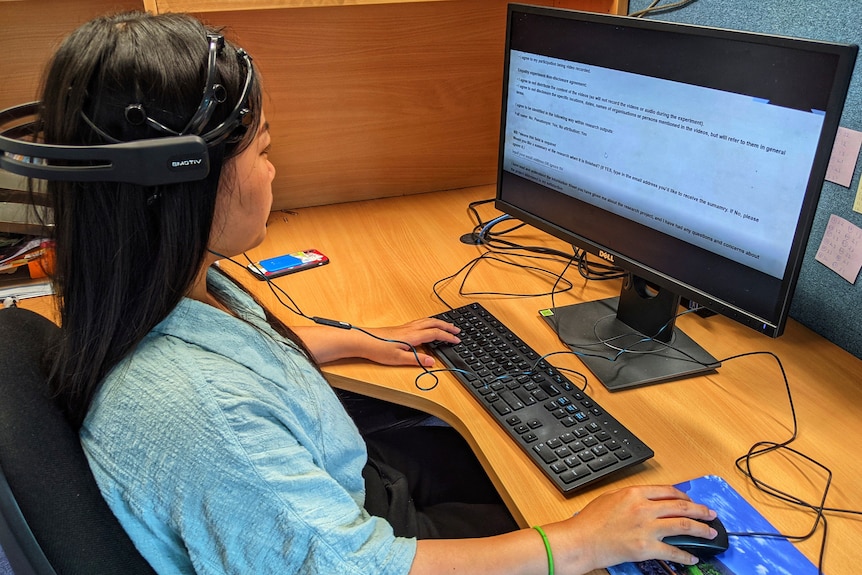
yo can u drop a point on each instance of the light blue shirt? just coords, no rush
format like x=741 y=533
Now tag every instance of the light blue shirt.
x=221 y=449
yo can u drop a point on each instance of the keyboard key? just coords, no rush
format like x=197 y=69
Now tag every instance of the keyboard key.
x=575 y=474
x=545 y=452
x=600 y=463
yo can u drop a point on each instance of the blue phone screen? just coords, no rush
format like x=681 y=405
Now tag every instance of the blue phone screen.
x=279 y=263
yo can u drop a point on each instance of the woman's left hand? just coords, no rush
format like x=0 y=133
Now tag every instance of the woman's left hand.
x=394 y=346
x=414 y=333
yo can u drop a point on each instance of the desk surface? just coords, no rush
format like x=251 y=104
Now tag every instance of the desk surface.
x=387 y=254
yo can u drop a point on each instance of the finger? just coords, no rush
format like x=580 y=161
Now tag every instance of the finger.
x=687 y=526
x=663 y=492
x=410 y=355
x=447 y=336
x=428 y=333
x=442 y=325
x=686 y=508
x=426 y=336
x=675 y=555
x=681 y=526
x=409 y=358
x=671 y=502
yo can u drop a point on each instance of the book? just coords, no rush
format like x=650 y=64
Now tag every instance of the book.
x=25 y=288
x=22 y=251
x=746 y=555
x=24 y=263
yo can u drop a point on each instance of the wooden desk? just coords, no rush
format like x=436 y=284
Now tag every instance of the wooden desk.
x=386 y=255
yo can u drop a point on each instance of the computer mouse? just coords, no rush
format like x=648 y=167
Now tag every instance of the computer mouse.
x=699 y=547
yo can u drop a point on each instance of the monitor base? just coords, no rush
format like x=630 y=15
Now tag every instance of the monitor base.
x=593 y=332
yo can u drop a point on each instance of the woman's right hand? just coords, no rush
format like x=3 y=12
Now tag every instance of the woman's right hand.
x=617 y=527
x=628 y=525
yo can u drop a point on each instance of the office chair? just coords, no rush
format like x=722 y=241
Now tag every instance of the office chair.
x=53 y=520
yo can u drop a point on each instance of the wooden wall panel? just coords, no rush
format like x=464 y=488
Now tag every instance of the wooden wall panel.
x=373 y=101
x=380 y=100
x=30 y=31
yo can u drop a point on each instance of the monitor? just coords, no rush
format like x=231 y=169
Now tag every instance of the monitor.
x=690 y=157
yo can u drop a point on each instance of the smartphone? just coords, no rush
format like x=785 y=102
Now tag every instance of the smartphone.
x=287 y=264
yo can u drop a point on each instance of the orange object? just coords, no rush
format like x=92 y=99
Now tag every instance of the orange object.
x=44 y=264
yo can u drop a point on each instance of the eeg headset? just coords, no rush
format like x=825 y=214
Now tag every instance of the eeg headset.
x=180 y=156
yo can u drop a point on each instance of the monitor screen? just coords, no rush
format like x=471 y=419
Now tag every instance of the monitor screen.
x=691 y=157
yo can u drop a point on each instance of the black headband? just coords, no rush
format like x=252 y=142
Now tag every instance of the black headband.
x=178 y=157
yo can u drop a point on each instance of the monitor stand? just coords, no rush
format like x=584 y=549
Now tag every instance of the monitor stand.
x=595 y=333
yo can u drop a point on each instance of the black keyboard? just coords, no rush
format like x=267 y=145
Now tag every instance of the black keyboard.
x=568 y=435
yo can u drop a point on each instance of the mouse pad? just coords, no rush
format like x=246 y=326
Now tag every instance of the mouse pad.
x=746 y=555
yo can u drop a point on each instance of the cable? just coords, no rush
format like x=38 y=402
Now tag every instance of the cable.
x=631 y=349
x=654 y=7
x=277 y=291
x=292 y=306
x=493 y=241
x=483 y=234
x=743 y=463
x=494 y=256
x=539 y=365
x=760 y=448
x=607 y=342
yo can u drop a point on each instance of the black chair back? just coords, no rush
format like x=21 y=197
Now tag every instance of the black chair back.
x=54 y=519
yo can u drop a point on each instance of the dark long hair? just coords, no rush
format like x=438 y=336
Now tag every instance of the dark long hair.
x=127 y=254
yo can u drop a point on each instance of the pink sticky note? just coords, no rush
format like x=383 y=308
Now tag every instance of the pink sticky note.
x=845 y=151
x=841 y=248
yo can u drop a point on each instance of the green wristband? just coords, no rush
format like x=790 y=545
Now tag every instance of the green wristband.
x=547 y=549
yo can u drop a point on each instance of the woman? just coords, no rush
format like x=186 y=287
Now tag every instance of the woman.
x=207 y=424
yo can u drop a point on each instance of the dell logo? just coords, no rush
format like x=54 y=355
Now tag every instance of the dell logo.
x=186 y=163
x=606 y=256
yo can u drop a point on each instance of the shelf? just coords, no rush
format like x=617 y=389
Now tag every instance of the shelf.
x=198 y=6
x=160 y=6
